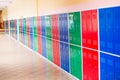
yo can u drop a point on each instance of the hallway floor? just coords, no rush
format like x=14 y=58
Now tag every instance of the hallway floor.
x=19 y=63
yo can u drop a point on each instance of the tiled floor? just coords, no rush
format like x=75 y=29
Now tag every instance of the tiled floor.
x=19 y=63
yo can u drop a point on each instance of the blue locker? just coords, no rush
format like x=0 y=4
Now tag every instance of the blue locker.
x=31 y=33
x=106 y=67
x=31 y=41
x=109 y=30
x=61 y=26
x=102 y=29
x=117 y=30
x=43 y=26
x=65 y=28
x=44 y=53
x=117 y=68
x=31 y=25
x=110 y=67
x=64 y=53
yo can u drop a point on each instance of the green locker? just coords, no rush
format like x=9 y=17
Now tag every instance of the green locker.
x=35 y=34
x=48 y=26
x=74 y=28
x=49 y=49
x=76 y=61
x=25 y=31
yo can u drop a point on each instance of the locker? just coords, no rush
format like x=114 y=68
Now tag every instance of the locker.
x=109 y=30
x=76 y=61
x=21 y=30
x=74 y=28
x=90 y=65
x=39 y=44
x=89 y=28
x=117 y=68
x=103 y=66
x=84 y=29
x=15 y=29
x=35 y=40
x=31 y=41
x=49 y=49
x=28 y=31
x=102 y=29
x=18 y=27
x=107 y=67
x=55 y=27
x=94 y=29
x=31 y=25
x=63 y=27
x=56 y=52
x=48 y=26
x=34 y=25
x=44 y=52
x=35 y=36
x=42 y=18
x=38 y=26
x=64 y=56
x=117 y=30
x=25 y=32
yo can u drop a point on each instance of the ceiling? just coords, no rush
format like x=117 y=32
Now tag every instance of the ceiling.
x=4 y=3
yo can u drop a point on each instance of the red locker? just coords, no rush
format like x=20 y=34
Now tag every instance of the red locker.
x=89 y=28
x=90 y=65
x=55 y=29
x=39 y=35
x=21 y=30
x=84 y=29
x=94 y=29
x=56 y=52
x=28 y=31
x=38 y=26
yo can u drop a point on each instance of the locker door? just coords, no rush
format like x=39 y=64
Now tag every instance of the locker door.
x=56 y=28
x=64 y=53
x=39 y=44
x=48 y=26
x=56 y=52
x=53 y=26
x=42 y=18
x=85 y=63
x=84 y=29
x=25 y=32
x=117 y=30
x=44 y=52
x=94 y=29
x=49 y=49
x=89 y=28
x=117 y=68
x=109 y=29
x=31 y=34
x=102 y=29
x=18 y=29
x=61 y=26
x=76 y=61
x=28 y=31
x=38 y=26
x=35 y=34
x=21 y=30
x=110 y=67
x=95 y=65
x=65 y=27
x=103 y=66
